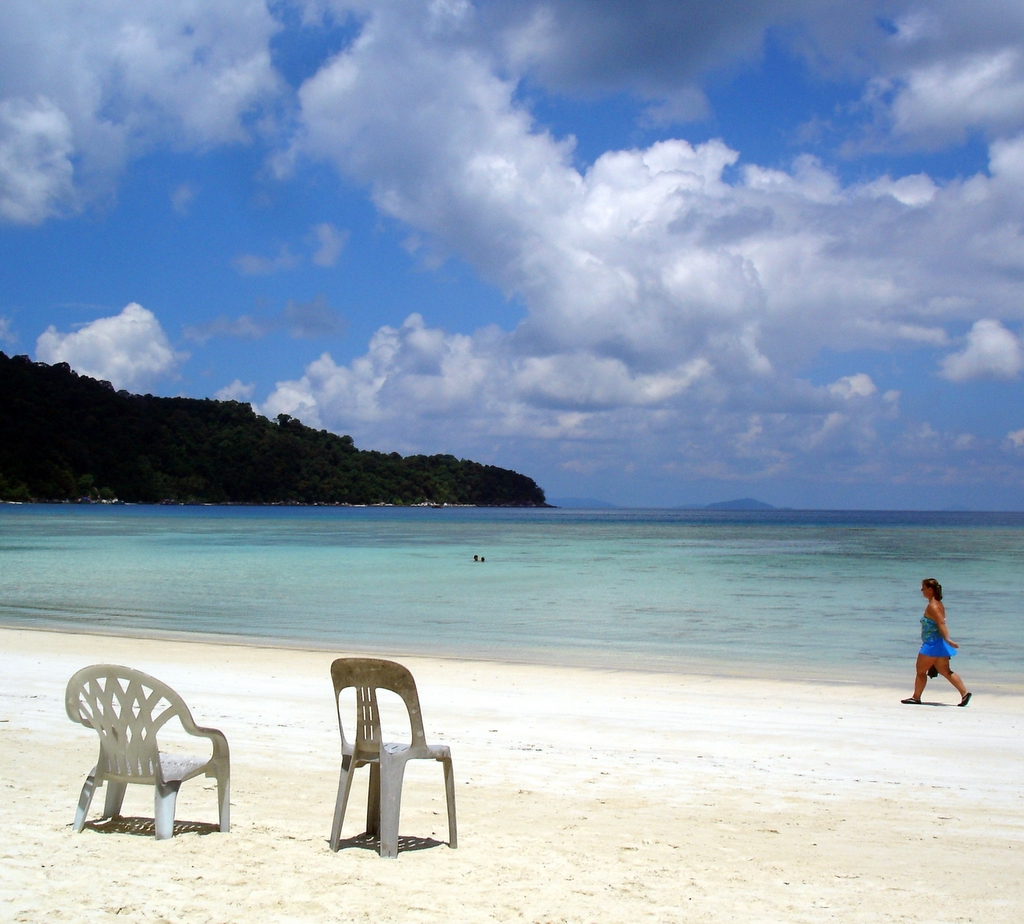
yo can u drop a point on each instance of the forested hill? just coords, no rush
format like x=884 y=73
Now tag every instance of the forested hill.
x=65 y=436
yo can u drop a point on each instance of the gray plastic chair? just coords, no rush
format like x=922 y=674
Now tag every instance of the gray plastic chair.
x=128 y=708
x=386 y=761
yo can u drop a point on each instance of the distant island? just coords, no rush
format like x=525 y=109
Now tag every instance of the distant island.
x=592 y=503
x=65 y=436
x=742 y=503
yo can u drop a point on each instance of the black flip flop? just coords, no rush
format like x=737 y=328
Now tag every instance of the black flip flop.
x=965 y=700
x=910 y=701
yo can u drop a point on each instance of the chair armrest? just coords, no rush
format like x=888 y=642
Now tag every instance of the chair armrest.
x=219 y=739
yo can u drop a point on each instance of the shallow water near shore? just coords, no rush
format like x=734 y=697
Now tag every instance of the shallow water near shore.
x=782 y=593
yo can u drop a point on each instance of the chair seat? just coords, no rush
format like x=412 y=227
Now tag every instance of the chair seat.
x=431 y=751
x=176 y=768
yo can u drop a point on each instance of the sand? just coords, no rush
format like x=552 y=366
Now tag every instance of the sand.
x=583 y=795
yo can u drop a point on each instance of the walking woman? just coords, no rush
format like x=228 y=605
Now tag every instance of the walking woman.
x=936 y=646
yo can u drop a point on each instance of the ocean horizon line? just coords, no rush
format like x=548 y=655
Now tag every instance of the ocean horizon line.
x=716 y=507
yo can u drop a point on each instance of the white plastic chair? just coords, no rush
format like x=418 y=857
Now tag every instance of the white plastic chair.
x=386 y=761
x=128 y=708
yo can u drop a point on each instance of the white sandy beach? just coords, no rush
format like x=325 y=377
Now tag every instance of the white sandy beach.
x=583 y=795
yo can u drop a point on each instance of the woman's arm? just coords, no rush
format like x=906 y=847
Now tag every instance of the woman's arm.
x=937 y=614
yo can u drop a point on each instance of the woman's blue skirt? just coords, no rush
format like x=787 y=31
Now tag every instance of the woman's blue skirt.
x=939 y=648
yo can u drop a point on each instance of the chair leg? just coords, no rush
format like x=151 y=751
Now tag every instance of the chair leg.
x=344 y=786
x=114 y=799
x=373 y=802
x=166 y=794
x=224 y=801
x=449 y=790
x=392 y=773
x=84 y=801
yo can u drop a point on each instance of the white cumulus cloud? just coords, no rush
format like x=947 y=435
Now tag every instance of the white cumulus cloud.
x=420 y=388
x=853 y=386
x=36 y=172
x=329 y=244
x=991 y=352
x=235 y=391
x=84 y=87
x=942 y=100
x=130 y=349
x=7 y=335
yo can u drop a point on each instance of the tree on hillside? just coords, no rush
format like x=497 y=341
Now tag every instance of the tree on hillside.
x=64 y=436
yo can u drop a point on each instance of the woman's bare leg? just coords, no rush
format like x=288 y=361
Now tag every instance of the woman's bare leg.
x=921 y=678
x=942 y=666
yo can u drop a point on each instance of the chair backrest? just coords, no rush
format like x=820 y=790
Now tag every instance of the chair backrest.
x=367 y=676
x=127 y=708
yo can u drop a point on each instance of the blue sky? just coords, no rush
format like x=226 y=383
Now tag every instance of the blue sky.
x=656 y=253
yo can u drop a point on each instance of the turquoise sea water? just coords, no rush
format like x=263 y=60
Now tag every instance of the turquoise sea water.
x=777 y=592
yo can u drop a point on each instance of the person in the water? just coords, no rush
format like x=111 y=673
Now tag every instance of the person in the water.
x=936 y=646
